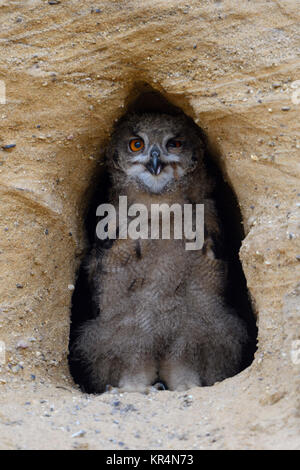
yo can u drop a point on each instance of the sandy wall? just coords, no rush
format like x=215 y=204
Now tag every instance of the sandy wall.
x=69 y=70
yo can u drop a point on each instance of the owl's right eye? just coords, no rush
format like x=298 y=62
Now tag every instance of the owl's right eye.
x=173 y=143
x=136 y=144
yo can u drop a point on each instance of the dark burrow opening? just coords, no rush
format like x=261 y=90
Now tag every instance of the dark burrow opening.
x=231 y=221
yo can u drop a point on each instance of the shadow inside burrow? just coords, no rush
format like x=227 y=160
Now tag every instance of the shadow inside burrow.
x=144 y=99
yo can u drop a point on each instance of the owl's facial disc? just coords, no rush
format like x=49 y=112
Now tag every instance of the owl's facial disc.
x=155 y=164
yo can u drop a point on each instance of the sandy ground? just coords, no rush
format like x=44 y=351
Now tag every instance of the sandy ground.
x=45 y=416
x=70 y=70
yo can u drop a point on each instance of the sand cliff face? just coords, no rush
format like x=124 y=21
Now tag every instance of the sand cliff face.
x=69 y=70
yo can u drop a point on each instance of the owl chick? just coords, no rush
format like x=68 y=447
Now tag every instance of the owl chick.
x=161 y=313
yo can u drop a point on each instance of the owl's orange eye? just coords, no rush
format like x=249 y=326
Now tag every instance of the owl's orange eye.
x=136 y=144
x=174 y=143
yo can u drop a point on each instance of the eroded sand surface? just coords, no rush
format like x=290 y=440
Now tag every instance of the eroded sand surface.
x=70 y=70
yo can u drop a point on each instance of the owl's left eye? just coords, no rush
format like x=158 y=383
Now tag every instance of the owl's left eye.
x=136 y=144
x=173 y=143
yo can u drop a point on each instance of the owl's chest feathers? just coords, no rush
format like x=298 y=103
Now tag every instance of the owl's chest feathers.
x=143 y=282
x=134 y=265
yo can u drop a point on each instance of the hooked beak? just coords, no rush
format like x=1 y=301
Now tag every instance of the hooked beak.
x=155 y=165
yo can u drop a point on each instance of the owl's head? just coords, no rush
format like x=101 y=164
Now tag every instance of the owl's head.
x=154 y=150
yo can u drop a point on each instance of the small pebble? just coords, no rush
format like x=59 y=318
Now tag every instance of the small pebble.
x=188 y=400
x=128 y=408
x=22 y=344
x=8 y=146
x=252 y=221
x=285 y=108
x=19 y=286
x=71 y=286
x=80 y=433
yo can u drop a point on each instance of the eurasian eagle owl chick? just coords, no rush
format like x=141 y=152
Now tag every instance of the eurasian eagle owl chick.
x=161 y=310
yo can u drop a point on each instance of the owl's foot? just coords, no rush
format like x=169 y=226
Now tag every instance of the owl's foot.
x=139 y=379
x=179 y=376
